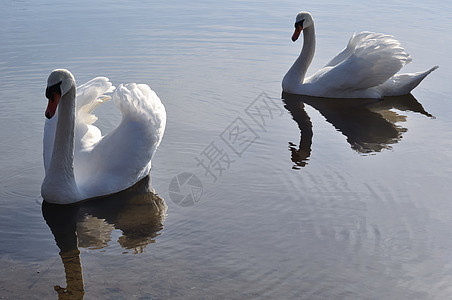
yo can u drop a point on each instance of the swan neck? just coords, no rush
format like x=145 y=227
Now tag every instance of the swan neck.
x=307 y=52
x=293 y=80
x=63 y=151
x=59 y=183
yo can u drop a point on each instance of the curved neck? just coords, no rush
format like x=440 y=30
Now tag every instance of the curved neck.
x=63 y=149
x=59 y=183
x=296 y=74
x=307 y=52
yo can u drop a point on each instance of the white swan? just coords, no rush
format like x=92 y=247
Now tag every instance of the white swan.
x=366 y=68
x=79 y=162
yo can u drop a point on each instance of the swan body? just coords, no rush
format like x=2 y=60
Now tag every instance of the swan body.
x=79 y=162
x=366 y=68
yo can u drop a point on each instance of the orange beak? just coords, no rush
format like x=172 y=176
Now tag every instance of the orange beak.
x=52 y=106
x=296 y=33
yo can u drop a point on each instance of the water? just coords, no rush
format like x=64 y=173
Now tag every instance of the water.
x=312 y=200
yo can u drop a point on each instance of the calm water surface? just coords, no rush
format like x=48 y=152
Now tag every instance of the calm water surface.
x=255 y=197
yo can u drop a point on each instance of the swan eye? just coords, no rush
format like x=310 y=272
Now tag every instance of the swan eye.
x=299 y=23
x=54 y=89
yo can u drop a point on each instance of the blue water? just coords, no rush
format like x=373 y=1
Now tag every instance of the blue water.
x=255 y=198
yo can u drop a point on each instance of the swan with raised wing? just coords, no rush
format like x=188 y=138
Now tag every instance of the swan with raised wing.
x=79 y=162
x=366 y=68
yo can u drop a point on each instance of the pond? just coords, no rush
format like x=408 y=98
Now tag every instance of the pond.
x=254 y=196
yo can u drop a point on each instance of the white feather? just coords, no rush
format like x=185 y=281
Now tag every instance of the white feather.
x=366 y=68
x=102 y=165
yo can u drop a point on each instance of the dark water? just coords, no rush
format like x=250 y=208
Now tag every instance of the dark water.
x=254 y=197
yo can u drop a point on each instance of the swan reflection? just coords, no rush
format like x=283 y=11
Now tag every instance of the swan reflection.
x=370 y=125
x=138 y=212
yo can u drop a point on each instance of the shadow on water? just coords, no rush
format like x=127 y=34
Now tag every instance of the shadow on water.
x=138 y=212
x=368 y=124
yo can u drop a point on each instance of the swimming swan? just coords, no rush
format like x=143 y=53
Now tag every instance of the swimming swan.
x=79 y=162
x=366 y=68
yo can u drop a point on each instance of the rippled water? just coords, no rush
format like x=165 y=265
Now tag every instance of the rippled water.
x=255 y=197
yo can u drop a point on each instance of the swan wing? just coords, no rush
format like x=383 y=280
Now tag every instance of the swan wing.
x=123 y=156
x=89 y=96
x=88 y=92
x=369 y=60
x=356 y=40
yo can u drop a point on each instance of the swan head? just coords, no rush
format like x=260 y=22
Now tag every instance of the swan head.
x=302 y=21
x=60 y=82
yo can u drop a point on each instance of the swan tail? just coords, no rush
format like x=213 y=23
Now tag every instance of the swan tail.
x=403 y=84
